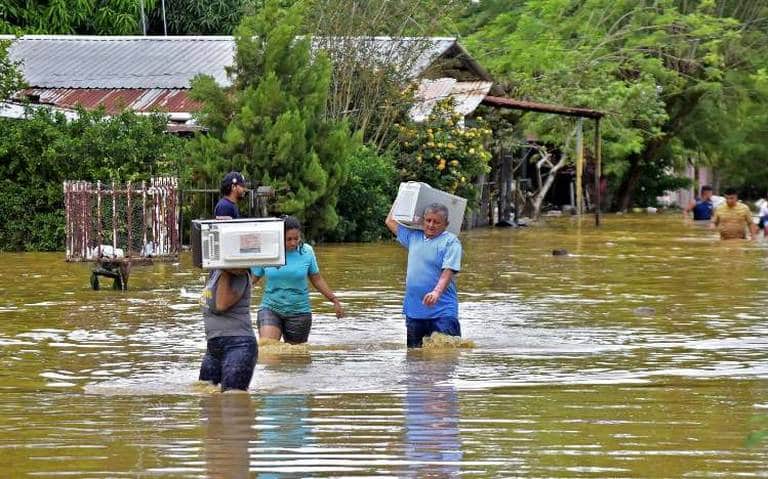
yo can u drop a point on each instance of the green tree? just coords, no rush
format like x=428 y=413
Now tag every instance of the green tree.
x=271 y=122
x=103 y=17
x=10 y=77
x=656 y=67
x=201 y=17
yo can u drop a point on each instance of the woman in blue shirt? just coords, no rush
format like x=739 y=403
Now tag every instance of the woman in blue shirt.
x=285 y=310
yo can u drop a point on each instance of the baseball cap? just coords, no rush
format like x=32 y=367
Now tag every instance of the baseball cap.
x=234 y=178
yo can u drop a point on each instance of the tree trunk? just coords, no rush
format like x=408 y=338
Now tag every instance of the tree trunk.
x=628 y=184
x=538 y=199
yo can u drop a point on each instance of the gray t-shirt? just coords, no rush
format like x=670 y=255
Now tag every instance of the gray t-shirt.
x=236 y=321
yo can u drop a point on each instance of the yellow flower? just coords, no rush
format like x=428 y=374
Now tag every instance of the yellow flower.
x=454 y=162
x=471 y=151
x=463 y=180
x=441 y=165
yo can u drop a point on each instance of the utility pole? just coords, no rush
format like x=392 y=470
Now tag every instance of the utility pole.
x=165 y=27
x=143 y=18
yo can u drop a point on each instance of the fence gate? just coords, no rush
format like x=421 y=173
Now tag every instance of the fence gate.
x=118 y=225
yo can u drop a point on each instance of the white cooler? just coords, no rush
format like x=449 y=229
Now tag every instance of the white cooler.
x=414 y=196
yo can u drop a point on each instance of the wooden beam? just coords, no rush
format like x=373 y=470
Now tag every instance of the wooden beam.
x=502 y=102
x=598 y=168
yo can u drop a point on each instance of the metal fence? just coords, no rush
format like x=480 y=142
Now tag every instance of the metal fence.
x=122 y=222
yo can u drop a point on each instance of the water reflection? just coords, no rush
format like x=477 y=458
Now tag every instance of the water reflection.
x=284 y=437
x=228 y=420
x=432 y=441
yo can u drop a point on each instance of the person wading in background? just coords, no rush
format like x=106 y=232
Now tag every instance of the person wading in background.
x=233 y=189
x=733 y=218
x=703 y=206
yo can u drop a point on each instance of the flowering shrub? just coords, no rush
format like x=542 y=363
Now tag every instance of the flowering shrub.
x=444 y=153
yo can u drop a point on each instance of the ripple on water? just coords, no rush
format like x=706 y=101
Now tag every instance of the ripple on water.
x=563 y=380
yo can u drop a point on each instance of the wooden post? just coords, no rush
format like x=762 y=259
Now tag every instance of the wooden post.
x=598 y=168
x=144 y=213
x=129 y=220
x=100 y=235
x=580 y=167
x=67 y=223
x=114 y=218
x=180 y=192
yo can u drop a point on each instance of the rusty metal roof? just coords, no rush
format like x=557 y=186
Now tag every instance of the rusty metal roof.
x=466 y=95
x=113 y=100
x=148 y=62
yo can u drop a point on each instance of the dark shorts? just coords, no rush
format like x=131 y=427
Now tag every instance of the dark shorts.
x=295 y=328
x=418 y=329
x=229 y=361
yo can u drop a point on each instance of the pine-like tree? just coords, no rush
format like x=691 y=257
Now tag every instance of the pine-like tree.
x=271 y=121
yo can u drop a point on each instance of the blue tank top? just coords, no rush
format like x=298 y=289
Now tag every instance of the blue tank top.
x=702 y=210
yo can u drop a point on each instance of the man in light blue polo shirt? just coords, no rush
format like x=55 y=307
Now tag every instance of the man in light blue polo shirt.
x=434 y=257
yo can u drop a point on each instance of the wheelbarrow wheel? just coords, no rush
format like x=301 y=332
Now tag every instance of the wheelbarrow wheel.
x=95 y=281
x=118 y=284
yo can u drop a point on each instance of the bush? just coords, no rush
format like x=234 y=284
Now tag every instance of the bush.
x=444 y=153
x=30 y=222
x=366 y=198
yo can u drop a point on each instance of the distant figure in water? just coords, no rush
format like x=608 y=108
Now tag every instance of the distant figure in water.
x=434 y=257
x=702 y=207
x=733 y=218
x=285 y=311
x=763 y=215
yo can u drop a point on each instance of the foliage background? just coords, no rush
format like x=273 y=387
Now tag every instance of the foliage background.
x=39 y=153
x=682 y=82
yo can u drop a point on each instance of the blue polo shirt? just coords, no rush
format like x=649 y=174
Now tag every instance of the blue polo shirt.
x=427 y=258
x=703 y=210
x=225 y=207
x=287 y=287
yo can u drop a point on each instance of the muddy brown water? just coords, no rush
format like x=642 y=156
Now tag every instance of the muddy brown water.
x=643 y=353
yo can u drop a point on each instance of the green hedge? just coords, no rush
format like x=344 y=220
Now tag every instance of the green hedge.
x=39 y=153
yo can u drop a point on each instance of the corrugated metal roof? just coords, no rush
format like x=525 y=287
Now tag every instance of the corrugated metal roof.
x=466 y=95
x=70 y=61
x=10 y=109
x=61 y=61
x=412 y=55
x=114 y=100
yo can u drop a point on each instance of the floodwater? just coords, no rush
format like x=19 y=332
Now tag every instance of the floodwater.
x=644 y=353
